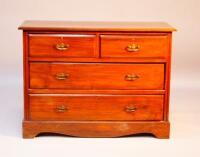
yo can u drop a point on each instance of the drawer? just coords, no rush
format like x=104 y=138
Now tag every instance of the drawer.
x=62 y=45
x=96 y=107
x=139 y=45
x=96 y=76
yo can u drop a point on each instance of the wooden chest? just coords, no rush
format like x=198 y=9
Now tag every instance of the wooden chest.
x=96 y=79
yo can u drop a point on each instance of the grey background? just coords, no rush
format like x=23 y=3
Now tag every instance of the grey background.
x=185 y=84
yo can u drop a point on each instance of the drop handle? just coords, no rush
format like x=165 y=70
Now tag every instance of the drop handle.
x=61 y=108
x=133 y=48
x=62 y=76
x=131 y=77
x=62 y=46
x=130 y=109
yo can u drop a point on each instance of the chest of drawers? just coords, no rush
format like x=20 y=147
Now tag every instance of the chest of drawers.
x=96 y=79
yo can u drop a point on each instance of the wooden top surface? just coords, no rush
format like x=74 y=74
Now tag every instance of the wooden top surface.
x=96 y=26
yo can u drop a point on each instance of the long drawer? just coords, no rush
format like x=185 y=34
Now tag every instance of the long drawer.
x=96 y=107
x=96 y=76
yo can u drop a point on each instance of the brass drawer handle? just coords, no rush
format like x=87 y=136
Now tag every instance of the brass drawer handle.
x=131 y=77
x=130 y=109
x=62 y=76
x=61 y=108
x=62 y=46
x=133 y=48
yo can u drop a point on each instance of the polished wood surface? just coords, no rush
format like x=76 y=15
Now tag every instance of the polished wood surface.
x=95 y=91
x=96 y=79
x=44 y=45
x=96 y=26
x=96 y=76
x=98 y=107
x=149 y=45
x=159 y=129
x=100 y=60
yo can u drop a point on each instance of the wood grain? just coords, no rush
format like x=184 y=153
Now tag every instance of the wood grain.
x=152 y=46
x=25 y=75
x=96 y=107
x=100 y=60
x=96 y=128
x=96 y=76
x=96 y=26
x=95 y=91
x=44 y=45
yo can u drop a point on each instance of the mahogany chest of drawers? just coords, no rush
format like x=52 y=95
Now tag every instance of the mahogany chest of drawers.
x=96 y=79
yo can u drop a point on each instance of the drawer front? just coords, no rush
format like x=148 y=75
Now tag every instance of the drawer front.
x=96 y=76
x=134 y=46
x=62 y=45
x=88 y=107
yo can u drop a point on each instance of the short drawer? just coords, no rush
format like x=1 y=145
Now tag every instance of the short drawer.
x=139 y=45
x=96 y=107
x=62 y=45
x=96 y=76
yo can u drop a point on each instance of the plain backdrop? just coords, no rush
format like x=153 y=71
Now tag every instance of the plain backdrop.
x=185 y=85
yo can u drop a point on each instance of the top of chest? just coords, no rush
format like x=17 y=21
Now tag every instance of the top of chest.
x=96 y=26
